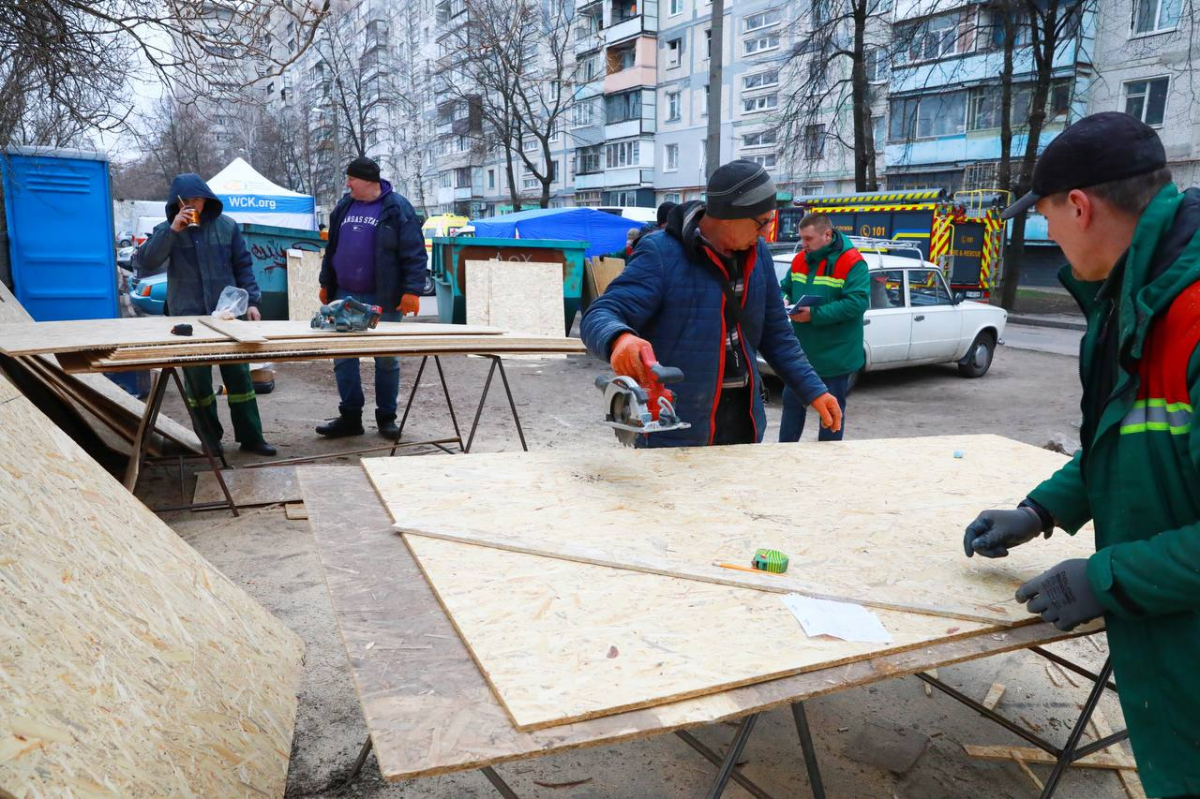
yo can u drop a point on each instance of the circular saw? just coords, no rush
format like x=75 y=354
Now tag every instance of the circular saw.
x=634 y=410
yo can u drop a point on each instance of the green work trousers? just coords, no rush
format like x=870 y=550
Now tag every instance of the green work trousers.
x=243 y=406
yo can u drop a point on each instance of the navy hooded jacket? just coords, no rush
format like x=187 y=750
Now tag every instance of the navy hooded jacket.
x=202 y=262
x=668 y=298
x=399 y=249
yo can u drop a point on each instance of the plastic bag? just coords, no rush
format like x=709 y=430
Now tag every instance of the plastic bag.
x=232 y=303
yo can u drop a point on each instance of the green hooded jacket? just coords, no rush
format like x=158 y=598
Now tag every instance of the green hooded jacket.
x=833 y=339
x=1137 y=478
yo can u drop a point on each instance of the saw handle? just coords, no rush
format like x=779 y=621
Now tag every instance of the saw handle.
x=666 y=374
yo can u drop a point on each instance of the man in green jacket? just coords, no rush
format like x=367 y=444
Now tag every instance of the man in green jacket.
x=1131 y=239
x=831 y=272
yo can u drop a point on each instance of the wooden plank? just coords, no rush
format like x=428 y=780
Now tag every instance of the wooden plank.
x=236 y=329
x=891 y=535
x=303 y=285
x=442 y=716
x=993 y=695
x=11 y=309
x=132 y=666
x=1031 y=754
x=295 y=511
x=561 y=641
x=519 y=296
x=269 y=485
x=605 y=271
x=31 y=338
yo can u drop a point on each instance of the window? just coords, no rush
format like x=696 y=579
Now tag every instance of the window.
x=928 y=117
x=879 y=132
x=589 y=68
x=995 y=23
x=887 y=289
x=462 y=178
x=530 y=181
x=589 y=159
x=621 y=58
x=621 y=154
x=672 y=197
x=929 y=39
x=708 y=43
x=671 y=156
x=674 y=53
x=983 y=105
x=761 y=44
x=584 y=113
x=675 y=8
x=446 y=180
x=926 y=287
x=622 y=107
x=763 y=138
x=764 y=19
x=491 y=184
x=875 y=63
x=767 y=161
x=763 y=102
x=814 y=141
x=1151 y=16
x=674 y=112
x=529 y=145
x=1147 y=100
x=760 y=80
x=553 y=170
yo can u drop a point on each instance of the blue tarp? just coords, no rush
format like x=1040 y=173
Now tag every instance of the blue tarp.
x=605 y=233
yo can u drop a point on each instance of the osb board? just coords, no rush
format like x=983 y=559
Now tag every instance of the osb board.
x=603 y=271
x=520 y=296
x=303 y=285
x=236 y=329
x=562 y=641
x=11 y=309
x=28 y=338
x=263 y=486
x=880 y=522
x=428 y=709
x=129 y=666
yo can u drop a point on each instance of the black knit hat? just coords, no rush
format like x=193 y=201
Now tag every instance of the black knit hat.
x=739 y=190
x=363 y=168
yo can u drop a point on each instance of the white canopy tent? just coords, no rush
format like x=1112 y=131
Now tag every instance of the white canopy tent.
x=251 y=198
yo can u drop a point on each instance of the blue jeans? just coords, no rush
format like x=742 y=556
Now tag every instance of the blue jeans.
x=794 y=410
x=387 y=372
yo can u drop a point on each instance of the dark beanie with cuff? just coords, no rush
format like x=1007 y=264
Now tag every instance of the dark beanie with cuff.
x=739 y=190
x=363 y=168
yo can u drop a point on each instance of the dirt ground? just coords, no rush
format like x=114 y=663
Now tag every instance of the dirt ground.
x=889 y=739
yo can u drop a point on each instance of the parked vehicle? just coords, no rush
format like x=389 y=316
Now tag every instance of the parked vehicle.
x=636 y=213
x=913 y=318
x=149 y=294
x=125 y=239
x=438 y=226
x=125 y=257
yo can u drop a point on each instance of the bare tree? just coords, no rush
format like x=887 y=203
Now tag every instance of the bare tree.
x=839 y=45
x=67 y=62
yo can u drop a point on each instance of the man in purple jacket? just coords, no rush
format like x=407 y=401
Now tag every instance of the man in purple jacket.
x=376 y=254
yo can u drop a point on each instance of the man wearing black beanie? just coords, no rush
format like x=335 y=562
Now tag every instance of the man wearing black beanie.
x=704 y=298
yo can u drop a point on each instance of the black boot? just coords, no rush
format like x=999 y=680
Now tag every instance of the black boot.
x=348 y=424
x=261 y=448
x=386 y=422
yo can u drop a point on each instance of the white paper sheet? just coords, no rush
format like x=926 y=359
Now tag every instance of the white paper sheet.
x=843 y=620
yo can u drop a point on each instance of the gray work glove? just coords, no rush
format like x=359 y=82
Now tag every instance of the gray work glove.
x=995 y=531
x=1062 y=595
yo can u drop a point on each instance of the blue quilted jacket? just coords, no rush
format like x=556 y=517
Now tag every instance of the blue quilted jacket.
x=673 y=302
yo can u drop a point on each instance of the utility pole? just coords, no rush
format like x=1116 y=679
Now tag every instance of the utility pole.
x=716 y=54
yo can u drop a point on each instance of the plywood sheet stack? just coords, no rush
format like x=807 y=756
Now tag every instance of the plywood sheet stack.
x=103 y=400
x=124 y=344
x=303 y=271
x=128 y=665
x=597 y=591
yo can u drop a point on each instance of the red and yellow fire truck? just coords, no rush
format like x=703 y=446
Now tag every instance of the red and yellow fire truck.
x=963 y=234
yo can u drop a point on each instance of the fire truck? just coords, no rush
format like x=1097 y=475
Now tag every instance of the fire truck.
x=963 y=234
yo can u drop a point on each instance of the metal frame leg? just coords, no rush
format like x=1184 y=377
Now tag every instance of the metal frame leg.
x=810 y=752
x=356 y=770
x=359 y=762
x=197 y=426
x=498 y=783
x=437 y=361
x=715 y=759
x=512 y=405
x=1071 y=752
x=732 y=755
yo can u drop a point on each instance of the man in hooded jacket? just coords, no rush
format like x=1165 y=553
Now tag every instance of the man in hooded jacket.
x=204 y=253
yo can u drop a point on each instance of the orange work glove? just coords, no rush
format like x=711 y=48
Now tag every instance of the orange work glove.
x=829 y=410
x=324 y=295
x=410 y=305
x=631 y=356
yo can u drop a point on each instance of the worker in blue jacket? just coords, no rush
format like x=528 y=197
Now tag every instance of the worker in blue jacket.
x=704 y=298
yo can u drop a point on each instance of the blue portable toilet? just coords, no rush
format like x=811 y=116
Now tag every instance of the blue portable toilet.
x=60 y=232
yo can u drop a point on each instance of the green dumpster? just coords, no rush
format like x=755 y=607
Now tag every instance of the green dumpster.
x=268 y=246
x=450 y=256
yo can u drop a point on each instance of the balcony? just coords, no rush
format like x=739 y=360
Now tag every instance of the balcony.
x=627 y=176
x=592 y=181
x=628 y=129
x=623 y=29
x=631 y=64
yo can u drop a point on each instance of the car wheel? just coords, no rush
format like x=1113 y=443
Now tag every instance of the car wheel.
x=979 y=357
x=430 y=289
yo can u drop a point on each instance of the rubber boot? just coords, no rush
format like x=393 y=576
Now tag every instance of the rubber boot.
x=386 y=422
x=347 y=424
